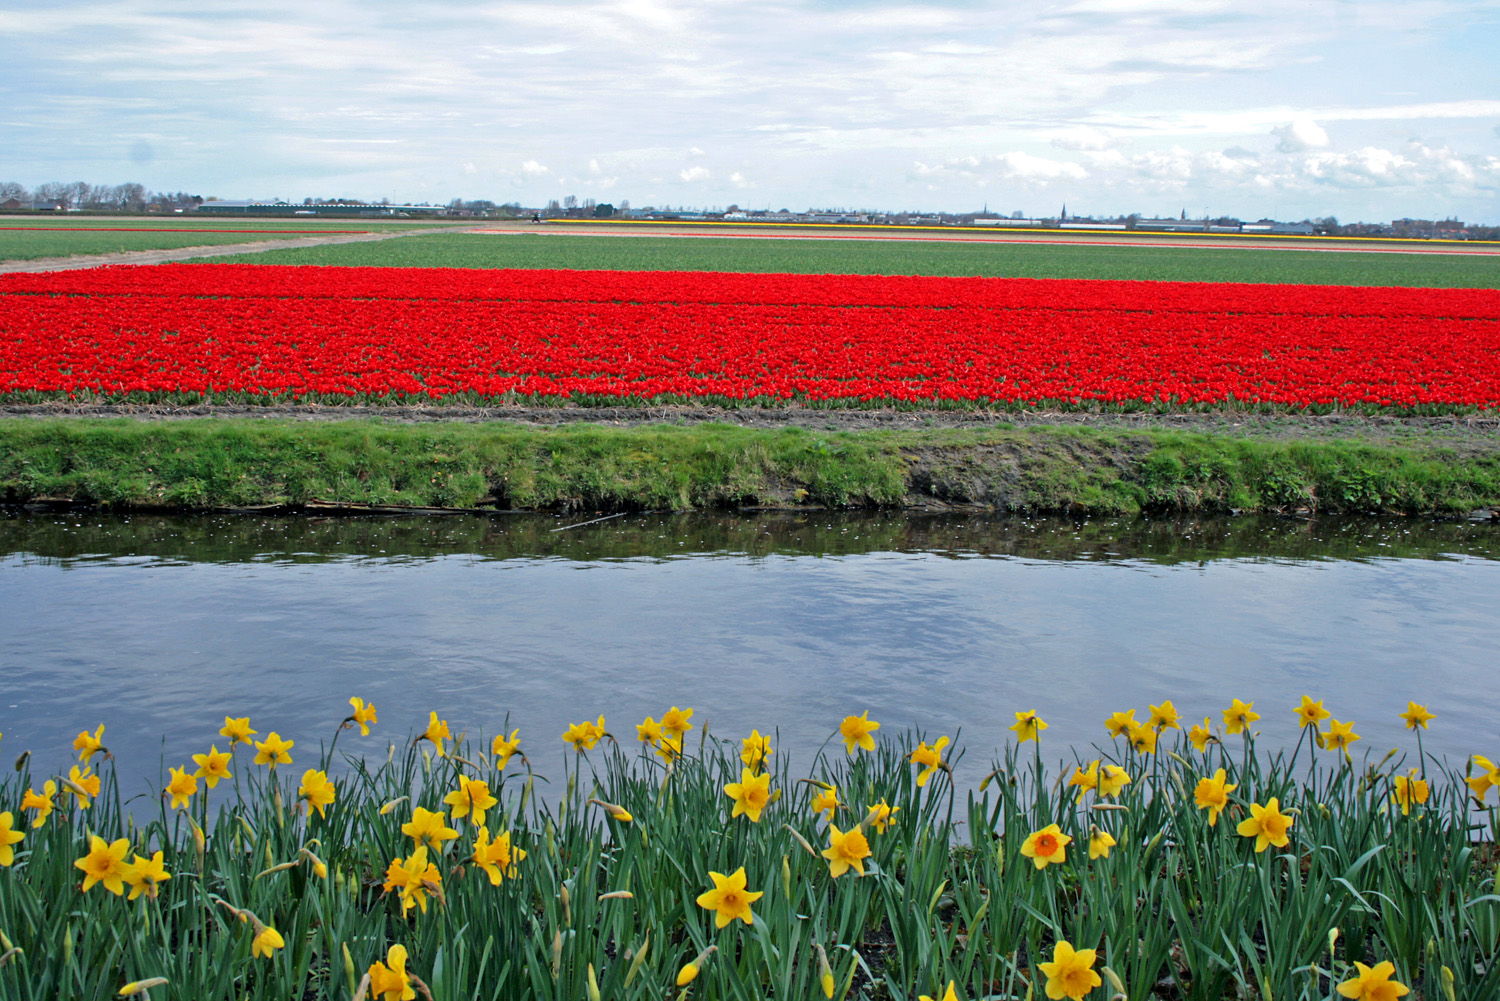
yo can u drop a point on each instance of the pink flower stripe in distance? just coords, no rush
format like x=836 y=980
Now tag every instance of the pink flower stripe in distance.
x=438 y=331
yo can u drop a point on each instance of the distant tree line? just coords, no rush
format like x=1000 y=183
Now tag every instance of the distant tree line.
x=129 y=197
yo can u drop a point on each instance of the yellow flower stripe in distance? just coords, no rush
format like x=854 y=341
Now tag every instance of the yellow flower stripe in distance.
x=1071 y=973
x=1049 y=846
x=729 y=900
x=1239 y=716
x=1417 y=716
x=751 y=794
x=1311 y=713
x=858 y=731
x=363 y=715
x=1267 y=825
x=1028 y=724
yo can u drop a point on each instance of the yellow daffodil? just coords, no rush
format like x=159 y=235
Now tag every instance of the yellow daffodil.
x=1374 y=983
x=1046 y=847
x=1239 y=716
x=687 y=974
x=880 y=816
x=181 y=788
x=647 y=731
x=1488 y=777
x=1408 y=790
x=1164 y=717
x=1212 y=795
x=504 y=749
x=1417 y=716
x=363 y=715
x=389 y=980
x=1113 y=779
x=413 y=878
x=751 y=794
x=674 y=722
x=436 y=733
x=669 y=748
x=729 y=899
x=1267 y=825
x=1143 y=739
x=316 y=790
x=1120 y=723
x=1085 y=781
x=272 y=750
x=497 y=858
x=1339 y=736
x=845 y=850
x=1200 y=735
x=105 y=863
x=87 y=745
x=755 y=749
x=948 y=995
x=1071 y=973
x=858 y=731
x=583 y=736
x=84 y=785
x=826 y=800
x=1100 y=842
x=212 y=766
x=1027 y=725
x=42 y=803
x=9 y=838
x=237 y=730
x=144 y=875
x=929 y=758
x=428 y=827
x=1310 y=713
x=266 y=941
x=471 y=799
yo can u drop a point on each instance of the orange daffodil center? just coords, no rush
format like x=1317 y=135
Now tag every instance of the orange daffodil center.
x=1049 y=846
x=729 y=900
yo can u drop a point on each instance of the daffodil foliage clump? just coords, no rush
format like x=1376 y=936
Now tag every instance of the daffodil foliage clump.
x=1167 y=862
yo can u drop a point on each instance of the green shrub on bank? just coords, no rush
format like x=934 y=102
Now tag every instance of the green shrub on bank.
x=1178 y=864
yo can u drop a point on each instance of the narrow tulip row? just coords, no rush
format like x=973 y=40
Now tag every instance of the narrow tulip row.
x=672 y=861
x=397 y=333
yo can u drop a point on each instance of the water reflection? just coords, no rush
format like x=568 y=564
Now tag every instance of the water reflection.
x=160 y=626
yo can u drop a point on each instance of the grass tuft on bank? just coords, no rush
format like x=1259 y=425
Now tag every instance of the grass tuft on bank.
x=221 y=464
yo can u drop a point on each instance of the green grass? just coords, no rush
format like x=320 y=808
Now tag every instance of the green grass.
x=1016 y=260
x=52 y=238
x=607 y=906
x=213 y=463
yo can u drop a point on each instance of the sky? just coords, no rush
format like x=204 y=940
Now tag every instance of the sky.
x=1287 y=109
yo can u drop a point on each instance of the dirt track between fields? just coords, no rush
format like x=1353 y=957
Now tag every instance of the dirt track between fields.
x=1468 y=435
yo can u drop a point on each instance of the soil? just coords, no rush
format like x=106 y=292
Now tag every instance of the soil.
x=1466 y=435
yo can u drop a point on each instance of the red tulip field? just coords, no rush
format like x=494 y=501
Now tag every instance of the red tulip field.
x=400 y=333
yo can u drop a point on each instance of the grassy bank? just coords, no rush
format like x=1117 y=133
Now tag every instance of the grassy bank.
x=206 y=464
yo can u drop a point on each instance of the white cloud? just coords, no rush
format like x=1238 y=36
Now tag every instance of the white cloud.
x=1303 y=134
x=694 y=174
x=533 y=169
x=741 y=181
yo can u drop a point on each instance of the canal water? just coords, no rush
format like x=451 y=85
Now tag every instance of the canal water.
x=158 y=627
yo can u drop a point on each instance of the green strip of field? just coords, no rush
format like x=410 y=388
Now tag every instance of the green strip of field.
x=891 y=257
x=245 y=463
x=74 y=236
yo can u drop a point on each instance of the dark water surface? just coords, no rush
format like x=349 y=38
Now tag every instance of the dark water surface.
x=160 y=626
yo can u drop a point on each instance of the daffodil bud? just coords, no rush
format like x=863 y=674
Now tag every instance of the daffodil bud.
x=1446 y=981
x=801 y=841
x=349 y=972
x=67 y=944
x=617 y=895
x=567 y=905
x=10 y=953
x=1114 y=980
x=141 y=986
x=593 y=984
x=386 y=808
x=557 y=944
x=786 y=877
x=687 y=974
x=825 y=977
x=21 y=760
x=637 y=960
x=617 y=812
x=1333 y=938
